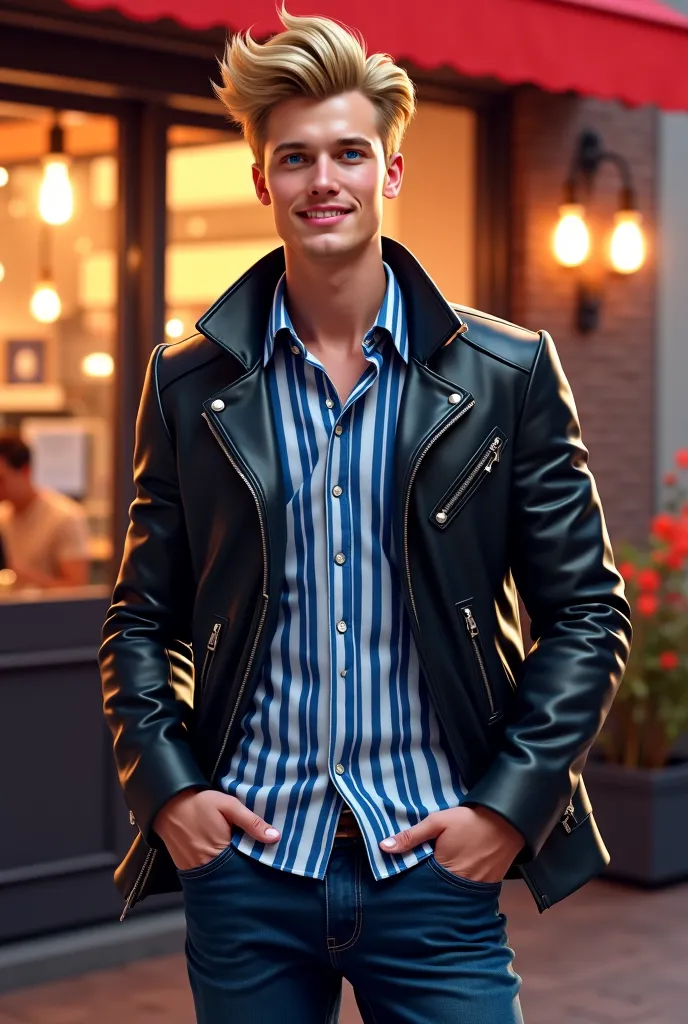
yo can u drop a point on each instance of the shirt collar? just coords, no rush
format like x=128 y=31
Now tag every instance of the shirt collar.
x=391 y=318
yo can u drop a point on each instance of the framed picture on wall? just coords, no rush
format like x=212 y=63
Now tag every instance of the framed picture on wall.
x=25 y=361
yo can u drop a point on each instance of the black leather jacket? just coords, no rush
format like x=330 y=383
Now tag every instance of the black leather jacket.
x=493 y=497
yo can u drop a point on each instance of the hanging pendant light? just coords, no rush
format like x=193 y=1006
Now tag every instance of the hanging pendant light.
x=56 y=198
x=45 y=305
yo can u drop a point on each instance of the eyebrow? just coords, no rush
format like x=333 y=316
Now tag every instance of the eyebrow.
x=352 y=140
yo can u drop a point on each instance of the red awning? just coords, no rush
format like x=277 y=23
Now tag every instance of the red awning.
x=635 y=51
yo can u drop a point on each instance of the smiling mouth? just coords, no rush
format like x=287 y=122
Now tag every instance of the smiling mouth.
x=322 y=214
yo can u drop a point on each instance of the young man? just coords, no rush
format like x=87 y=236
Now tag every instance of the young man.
x=324 y=724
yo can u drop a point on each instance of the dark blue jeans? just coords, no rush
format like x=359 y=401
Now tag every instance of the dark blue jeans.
x=267 y=947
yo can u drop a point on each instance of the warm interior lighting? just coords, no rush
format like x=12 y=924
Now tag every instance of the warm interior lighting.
x=98 y=364
x=56 y=199
x=627 y=248
x=571 y=237
x=174 y=328
x=4 y=176
x=2 y=271
x=45 y=303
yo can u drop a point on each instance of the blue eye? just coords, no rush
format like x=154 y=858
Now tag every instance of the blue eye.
x=353 y=153
x=293 y=158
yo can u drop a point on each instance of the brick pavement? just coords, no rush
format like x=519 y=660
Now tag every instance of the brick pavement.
x=606 y=955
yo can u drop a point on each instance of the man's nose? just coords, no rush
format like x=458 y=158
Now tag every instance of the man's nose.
x=324 y=180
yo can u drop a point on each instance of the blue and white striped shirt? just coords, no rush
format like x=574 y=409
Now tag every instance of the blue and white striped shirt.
x=341 y=713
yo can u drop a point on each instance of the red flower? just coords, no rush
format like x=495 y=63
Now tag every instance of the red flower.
x=659 y=556
x=675 y=560
x=670 y=479
x=649 y=579
x=664 y=526
x=682 y=458
x=627 y=570
x=668 y=660
x=647 y=605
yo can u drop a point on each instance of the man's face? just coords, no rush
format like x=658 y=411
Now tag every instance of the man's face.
x=325 y=174
x=12 y=481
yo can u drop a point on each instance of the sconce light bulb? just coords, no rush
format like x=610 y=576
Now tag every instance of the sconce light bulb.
x=4 y=176
x=571 y=237
x=627 y=248
x=45 y=303
x=56 y=197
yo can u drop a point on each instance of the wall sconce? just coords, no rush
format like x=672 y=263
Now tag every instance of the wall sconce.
x=571 y=241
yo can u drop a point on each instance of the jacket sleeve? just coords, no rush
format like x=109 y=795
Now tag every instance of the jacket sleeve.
x=580 y=621
x=144 y=656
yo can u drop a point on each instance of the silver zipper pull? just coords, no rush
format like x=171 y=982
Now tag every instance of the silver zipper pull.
x=569 y=817
x=471 y=624
x=214 y=636
x=496 y=454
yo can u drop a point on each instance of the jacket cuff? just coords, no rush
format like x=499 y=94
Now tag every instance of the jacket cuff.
x=511 y=792
x=154 y=780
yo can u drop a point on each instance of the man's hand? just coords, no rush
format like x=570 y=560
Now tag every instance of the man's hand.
x=473 y=842
x=196 y=825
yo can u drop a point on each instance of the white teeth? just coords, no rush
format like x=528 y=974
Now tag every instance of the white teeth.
x=319 y=214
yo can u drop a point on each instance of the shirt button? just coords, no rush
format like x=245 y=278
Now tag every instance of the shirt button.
x=343 y=672
x=295 y=349
x=337 y=491
x=340 y=558
x=454 y=399
x=218 y=405
x=329 y=403
x=340 y=769
x=339 y=430
x=341 y=626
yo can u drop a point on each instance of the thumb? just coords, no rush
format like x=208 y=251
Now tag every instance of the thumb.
x=247 y=820
x=428 y=828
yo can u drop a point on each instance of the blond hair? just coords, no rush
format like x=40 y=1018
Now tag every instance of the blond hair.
x=317 y=58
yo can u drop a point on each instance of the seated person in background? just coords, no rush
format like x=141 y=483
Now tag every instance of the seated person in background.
x=44 y=533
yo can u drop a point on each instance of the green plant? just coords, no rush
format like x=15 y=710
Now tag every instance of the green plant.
x=651 y=707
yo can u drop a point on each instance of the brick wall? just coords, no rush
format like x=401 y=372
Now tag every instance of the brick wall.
x=612 y=369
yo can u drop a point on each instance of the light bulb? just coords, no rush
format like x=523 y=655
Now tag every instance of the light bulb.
x=2 y=271
x=45 y=303
x=4 y=176
x=56 y=199
x=627 y=248
x=174 y=328
x=571 y=237
x=98 y=364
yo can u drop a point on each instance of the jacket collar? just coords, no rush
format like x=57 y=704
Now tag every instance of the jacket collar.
x=238 y=320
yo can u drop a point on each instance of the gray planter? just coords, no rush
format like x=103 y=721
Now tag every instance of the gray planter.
x=643 y=817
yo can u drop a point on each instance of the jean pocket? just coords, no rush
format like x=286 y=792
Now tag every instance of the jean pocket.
x=491 y=888
x=202 y=870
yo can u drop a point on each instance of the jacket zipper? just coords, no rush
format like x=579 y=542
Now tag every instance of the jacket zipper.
x=474 y=635
x=484 y=465
x=145 y=871
x=450 y=423
x=209 y=656
x=265 y=599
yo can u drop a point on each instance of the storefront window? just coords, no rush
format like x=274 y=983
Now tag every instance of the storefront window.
x=58 y=197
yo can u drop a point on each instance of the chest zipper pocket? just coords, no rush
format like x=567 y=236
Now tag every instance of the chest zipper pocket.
x=211 y=648
x=474 y=638
x=484 y=462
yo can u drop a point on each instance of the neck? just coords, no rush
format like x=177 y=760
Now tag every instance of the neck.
x=23 y=500
x=333 y=305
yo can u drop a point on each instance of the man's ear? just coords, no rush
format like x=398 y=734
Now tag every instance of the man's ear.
x=394 y=177
x=260 y=185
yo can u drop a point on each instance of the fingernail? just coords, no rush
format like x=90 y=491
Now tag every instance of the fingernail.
x=389 y=843
x=271 y=833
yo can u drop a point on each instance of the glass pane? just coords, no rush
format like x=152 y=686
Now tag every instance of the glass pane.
x=57 y=343
x=434 y=214
x=216 y=228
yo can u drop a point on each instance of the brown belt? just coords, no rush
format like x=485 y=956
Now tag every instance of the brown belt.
x=347 y=826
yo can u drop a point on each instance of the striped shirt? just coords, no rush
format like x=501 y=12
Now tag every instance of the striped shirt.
x=341 y=714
